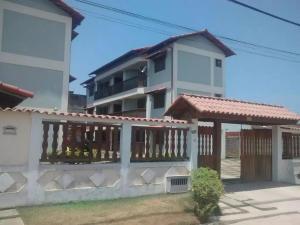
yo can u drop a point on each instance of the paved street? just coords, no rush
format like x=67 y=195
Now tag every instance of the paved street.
x=230 y=168
x=261 y=203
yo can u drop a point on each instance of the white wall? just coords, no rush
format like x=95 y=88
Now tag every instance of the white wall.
x=24 y=180
x=34 y=60
x=14 y=147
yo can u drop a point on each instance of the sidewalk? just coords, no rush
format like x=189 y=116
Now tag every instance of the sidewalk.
x=262 y=203
x=10 y=217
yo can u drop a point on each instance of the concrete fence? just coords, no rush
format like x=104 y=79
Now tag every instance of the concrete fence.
x=29 y=174
x=26 y=180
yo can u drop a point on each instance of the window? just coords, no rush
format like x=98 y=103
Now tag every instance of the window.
x=117 y=108
x=218 y=95
x=91 y=88
x=159 y=100
x=159 y=63
x=218 y=63
x=141 y=103
x=102 y=110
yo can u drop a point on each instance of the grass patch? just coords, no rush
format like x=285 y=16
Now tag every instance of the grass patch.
x=150 y=210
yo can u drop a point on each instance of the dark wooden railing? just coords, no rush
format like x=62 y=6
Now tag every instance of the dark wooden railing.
x=71 y=142
x=138 y=81
x=158 y=144
x=133 y=113
x=256 y=154
x=291 y=145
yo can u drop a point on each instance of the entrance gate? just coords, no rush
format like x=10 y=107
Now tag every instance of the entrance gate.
x=207 y=156
x=256 y=155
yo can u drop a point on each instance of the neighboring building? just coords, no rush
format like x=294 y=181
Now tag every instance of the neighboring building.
x=35 y=47
x=145 y=81
x=77 y=103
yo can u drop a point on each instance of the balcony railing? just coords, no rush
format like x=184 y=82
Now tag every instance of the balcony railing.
x=132 y=113
x=138 y=81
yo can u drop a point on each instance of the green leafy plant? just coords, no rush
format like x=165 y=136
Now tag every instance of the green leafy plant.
x=207 y=189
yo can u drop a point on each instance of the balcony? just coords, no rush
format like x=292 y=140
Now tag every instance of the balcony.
x=138 y=81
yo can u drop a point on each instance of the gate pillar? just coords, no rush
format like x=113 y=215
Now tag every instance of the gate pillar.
x=277 y=152
x=217 y=144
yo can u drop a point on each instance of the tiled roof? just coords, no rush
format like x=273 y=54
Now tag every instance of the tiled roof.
x=76 y=16
x=229 y=107
x=123 y=58
x=85 y=115
x=226 y=50
x=15 y=90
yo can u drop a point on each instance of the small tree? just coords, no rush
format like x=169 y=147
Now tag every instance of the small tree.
x=207 y=189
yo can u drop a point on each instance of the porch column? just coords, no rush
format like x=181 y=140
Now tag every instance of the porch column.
x=148 y=105
x=217 y=144
x=193 y=144
x=125 y=151
x=276 y=152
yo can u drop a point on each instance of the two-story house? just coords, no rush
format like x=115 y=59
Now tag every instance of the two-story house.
x=35 y=42
x=144 y=82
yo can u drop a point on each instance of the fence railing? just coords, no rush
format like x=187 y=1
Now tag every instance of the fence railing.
x=291 y=145
x=158 y=144
x=72 y=142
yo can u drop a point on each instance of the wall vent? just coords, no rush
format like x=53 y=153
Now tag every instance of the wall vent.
x=177 y=184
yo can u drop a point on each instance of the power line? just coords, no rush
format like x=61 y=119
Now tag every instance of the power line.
x=266 y=55
x=138 y=16
x=176 y=26
x=264 y=12
x=124 y=22
x=151 y=29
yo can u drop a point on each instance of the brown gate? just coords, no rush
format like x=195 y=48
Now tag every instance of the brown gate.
x=207 y=157
x=256 y=155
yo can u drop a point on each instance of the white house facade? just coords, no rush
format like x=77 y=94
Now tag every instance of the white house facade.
x=145 y=82
x=35 y=47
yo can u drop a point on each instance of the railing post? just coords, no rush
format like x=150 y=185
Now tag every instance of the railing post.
x=125 y=151
x=193 y=144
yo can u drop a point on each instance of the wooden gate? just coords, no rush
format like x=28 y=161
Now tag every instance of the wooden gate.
x=207 y=157
x=256 y=155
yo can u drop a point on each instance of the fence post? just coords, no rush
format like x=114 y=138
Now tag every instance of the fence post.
x=276 y=152
x=125 y=151
x=193 y=144
x=35 y=193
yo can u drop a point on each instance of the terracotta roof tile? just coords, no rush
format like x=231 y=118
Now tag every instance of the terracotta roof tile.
x=85 y=115
x=214 y=105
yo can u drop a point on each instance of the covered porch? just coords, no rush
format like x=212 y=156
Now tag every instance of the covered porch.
x=262 y=150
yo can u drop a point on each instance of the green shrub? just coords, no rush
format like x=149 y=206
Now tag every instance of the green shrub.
x=207 y=189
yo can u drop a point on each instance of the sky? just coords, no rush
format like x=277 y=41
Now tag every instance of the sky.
x=248 y=76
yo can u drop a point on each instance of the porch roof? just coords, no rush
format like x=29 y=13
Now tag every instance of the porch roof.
x=14 y=90
x=226 y=110
x=11 y=95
